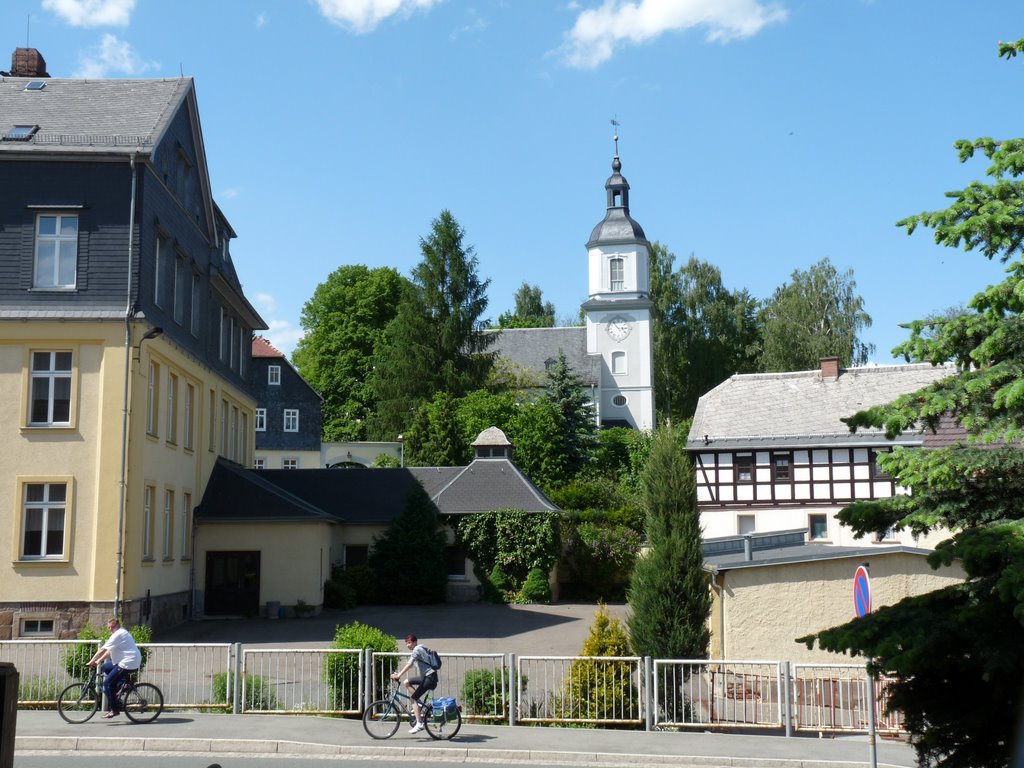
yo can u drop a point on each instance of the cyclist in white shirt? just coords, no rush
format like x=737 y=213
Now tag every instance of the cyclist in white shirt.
x=120 y=656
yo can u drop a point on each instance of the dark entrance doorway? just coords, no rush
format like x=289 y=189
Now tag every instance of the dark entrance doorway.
x=232 y=584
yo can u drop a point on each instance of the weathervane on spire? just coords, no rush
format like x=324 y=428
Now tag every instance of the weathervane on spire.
x=616 y=135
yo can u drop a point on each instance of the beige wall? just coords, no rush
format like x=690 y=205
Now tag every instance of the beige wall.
x=295 y=558
x=87 y=456
x=767 y=607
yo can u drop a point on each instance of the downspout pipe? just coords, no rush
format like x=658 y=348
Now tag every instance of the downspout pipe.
x=124 y=405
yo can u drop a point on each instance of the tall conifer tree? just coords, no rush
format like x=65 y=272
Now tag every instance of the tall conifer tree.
x=669 y=597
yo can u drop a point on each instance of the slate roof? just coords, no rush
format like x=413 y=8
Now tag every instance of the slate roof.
x=531 y=349
x=363 y=496
x=803 y=409
x=485 y=485
x=90 y=116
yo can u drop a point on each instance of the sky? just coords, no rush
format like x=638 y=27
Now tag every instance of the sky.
x=759 y=136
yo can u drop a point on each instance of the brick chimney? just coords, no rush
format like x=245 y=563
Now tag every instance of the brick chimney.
x=28 y=62
x=830 y=368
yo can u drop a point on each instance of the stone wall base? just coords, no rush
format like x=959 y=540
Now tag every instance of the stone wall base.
x=69 y=617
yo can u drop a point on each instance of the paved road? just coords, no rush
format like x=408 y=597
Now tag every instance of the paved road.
x=212 y=736
x=554 y=630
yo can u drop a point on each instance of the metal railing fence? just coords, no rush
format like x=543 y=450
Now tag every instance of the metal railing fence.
x=493 y=688
x=734 y=694
x=833 y=698
x=605 y=690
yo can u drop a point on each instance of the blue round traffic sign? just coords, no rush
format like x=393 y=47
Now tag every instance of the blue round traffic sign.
x=861 y=592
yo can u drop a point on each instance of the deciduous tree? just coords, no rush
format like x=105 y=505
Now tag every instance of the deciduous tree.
x=343 y=321
x=531 y=311
x=817 y=314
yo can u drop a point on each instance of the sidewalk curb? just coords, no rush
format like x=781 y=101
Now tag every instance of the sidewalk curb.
x=448 y=754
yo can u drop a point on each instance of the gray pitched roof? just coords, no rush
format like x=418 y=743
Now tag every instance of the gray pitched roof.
x=809 y=552
x=532 y=348
x=483 y=486
x=89 y=116
x=803 y=409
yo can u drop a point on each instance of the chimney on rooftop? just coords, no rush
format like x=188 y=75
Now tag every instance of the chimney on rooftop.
x=28 y=62
x=830 y=368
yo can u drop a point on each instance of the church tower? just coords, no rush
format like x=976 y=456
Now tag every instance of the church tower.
x=618 y=310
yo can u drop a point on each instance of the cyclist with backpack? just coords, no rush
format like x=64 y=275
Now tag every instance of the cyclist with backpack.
x=427 y=662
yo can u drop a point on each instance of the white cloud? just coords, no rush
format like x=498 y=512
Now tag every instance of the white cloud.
x=281 y=333
x=599 y=31
x=261 y=21
x=265 y=303
x=111 y=56
x=472 y=26
x=92 y=13
x=361 y=16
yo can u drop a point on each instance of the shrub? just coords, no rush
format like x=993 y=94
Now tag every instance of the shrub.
x=349 y=587
x=536 y=588
x=259 y=693
x=414 y=536
x=499 y=580
x=600 y=690
x=341 y=671
x=75 y=658
x=482 y=693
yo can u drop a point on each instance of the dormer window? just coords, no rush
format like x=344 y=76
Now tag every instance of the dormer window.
x=21 y=133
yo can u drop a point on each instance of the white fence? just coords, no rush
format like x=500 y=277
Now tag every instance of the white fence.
x=494 y=688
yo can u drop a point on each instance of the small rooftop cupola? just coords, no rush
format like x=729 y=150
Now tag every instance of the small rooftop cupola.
x=492 y=444
x=27 y=62
x=617 y=224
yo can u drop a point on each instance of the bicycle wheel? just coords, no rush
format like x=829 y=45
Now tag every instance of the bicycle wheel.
x=78 y=702
x=442 y=724
x=381 y=719
x=143 y=703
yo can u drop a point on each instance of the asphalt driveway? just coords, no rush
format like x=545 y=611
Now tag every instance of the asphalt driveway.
x=527 y=630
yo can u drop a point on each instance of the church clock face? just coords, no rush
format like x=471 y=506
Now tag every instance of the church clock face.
x=618 y=328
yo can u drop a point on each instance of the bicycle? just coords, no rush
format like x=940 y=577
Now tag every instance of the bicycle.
x=141 y=702
x=382 y=718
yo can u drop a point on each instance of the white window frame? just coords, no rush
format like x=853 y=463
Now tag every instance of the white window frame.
x=168 y=526
x=290 y=463
x=172 y=408
x=261 y=420
x=47 y=509
x=147 y=522
x=186 y=525
x=259 y=463
x=153 y=399
x=190 y=406
x=65 y=249
x=181 y=291
x=810 y=526
x=274 y=375
x=162 y=244
x=38 y=630
x=616 y=274
x=50 y=377
x=291 y=419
